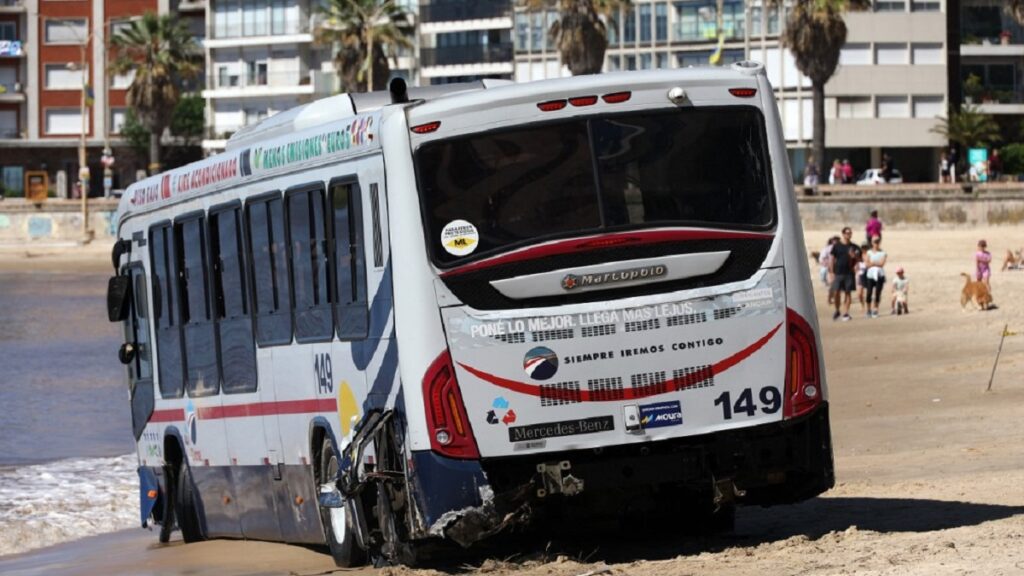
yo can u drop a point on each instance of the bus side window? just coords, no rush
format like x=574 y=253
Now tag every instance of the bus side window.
x=235 y=341
x=308 y=242
x=272 y=296
x=350 y=261
x=143 y=356
x=171 y=367
x=201 y=377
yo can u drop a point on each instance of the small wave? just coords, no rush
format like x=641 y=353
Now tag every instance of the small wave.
x=46 y=504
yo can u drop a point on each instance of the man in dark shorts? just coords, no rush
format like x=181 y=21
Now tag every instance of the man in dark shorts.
x=845 y=256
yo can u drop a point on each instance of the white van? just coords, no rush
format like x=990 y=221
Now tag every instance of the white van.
x=382 y=319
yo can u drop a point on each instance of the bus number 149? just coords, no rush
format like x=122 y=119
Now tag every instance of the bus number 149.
x=770 y=398
x=324 y=374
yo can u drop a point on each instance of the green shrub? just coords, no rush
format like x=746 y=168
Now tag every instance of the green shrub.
x=1013 y=158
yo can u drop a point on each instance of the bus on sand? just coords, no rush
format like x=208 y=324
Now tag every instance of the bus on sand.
x=380 y=320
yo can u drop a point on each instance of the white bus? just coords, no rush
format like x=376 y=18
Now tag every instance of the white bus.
x=379 y=320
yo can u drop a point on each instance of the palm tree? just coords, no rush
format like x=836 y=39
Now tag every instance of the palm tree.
x=815 y=34
x=969 y=128
x=365 y=30
x=580 y=33
x=160 y=51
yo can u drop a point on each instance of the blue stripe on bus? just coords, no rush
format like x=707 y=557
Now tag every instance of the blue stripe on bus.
x=377 y=397
x=380 y=309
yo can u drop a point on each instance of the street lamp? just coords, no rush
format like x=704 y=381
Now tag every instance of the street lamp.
x=83 y=166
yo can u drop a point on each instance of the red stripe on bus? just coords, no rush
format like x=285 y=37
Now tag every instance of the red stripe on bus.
x=268 y=408
x=170 y=415
x=672 y=385
x=605 y=241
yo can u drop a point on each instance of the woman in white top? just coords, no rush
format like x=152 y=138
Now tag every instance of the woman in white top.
x=875 y=275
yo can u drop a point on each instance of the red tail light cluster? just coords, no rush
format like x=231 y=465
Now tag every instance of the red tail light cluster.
x=583 y=100
x=426 y=128
x=803 y=375
x=743 y=92
x=551 y=105
x=616 y=97
x=450 y=432
x=613 y=98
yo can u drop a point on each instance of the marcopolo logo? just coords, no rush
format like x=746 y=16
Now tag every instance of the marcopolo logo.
x=573 y=281
x=540 y=363
x=661 y=414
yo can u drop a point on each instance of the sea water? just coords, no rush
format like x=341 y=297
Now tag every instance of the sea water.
x=65 y=424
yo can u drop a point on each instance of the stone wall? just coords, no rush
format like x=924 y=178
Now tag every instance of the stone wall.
x=52 y=221
x=914 y=205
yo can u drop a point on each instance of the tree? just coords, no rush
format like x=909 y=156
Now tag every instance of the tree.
x=159 y=50
x=580 y=32
x=969 y=128
x=366 y=31
x=815 y=33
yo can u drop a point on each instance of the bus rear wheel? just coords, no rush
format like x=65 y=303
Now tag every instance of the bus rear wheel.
x=186 y=506
x=341 y=539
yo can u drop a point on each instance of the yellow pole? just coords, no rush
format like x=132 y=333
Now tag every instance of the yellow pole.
x=83 y=167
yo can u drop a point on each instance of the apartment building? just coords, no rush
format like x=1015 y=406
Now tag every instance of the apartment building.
x=884 y=98
x=49 y=50
x=992 y=52
x=465 y=40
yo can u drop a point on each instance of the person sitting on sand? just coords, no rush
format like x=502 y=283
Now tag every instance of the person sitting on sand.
x=982 y=260
x=900 y=293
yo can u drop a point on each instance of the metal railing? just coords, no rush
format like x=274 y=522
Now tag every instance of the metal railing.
x=8 y=133
x=12 y=3
x=454 y=11
x=263 y=28
x=991 y=32
x=11 y=88
x=251 y=79
x=452 y=55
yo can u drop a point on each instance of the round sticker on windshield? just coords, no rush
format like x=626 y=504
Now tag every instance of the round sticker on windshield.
x=459 y=238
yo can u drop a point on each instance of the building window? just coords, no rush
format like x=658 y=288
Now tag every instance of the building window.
x=925 y=6
x=122 y=81
x=614 y=64
x=522 y=31
x=928 y=106
x=630 y=62
x=117 y=118
x=645 y=61
x=927 y=53
x=63 y=121
x=688 y=59
x=119 y=27
x=854 y=54
x=888 y=54
x=890 y=6
x=853 y=107
x=629 y=26
x=892 y=107
x=536 y=32
x=68 y=31
x=663 y=60
x=60 y=77
x=661 y=22
x=687 y=23
x=8 y=30
x=645 y=22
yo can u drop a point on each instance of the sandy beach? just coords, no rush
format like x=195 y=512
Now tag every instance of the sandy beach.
x=930 y=465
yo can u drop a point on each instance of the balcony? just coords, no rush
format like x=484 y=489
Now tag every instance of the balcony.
x=260 y=29
x=12 y=6
x=462 y=55
x=11 y=49
x=10 y=133
x=12 y=92
x=227 y=84
x=465 y=10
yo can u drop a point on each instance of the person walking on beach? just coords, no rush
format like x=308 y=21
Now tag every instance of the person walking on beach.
x=845 y=255
x=982 y=261
x=862 y=275
x=875 y=275
x=873 y=227
x=847 y=172
x=944 y=169
x=900 y=293
x=824 y=258
x=995 y=167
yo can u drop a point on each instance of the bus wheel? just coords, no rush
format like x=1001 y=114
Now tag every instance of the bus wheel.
x=341 y=539
x=186 y=508
x=167 y=506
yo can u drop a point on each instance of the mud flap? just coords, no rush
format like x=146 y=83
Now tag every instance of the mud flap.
x=149 y=490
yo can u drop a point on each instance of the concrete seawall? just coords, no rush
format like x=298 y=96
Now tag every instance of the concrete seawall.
x=53 y=221
x=920 y=206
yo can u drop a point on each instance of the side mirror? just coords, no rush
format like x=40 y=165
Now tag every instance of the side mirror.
x=120 y=247
x=118 y=297
x=126 y=353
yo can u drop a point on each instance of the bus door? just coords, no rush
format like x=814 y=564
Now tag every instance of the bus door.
x=140 y=365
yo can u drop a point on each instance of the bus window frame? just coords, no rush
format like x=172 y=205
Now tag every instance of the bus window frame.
x=329 y=275
x=249 y=289
x=267 y=197
x=352 y=180
x=168 y=225
x=184 y=218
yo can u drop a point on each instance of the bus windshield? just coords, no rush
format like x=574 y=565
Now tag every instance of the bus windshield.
x=689 y=167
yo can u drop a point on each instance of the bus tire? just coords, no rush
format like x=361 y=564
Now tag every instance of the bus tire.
x=187 y=510
x=167 y=506
x=344 y=549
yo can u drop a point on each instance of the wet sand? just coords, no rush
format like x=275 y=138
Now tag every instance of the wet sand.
x=930 y=466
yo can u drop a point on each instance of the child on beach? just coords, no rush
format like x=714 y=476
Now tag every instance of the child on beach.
x=862 y=274
x=982 y=259
x=900 y=292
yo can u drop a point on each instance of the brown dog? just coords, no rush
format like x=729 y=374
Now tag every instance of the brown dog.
x=1013 y=260
x=976 y=291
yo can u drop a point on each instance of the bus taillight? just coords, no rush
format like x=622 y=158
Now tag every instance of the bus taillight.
x=450 y=432
x=803 y=376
